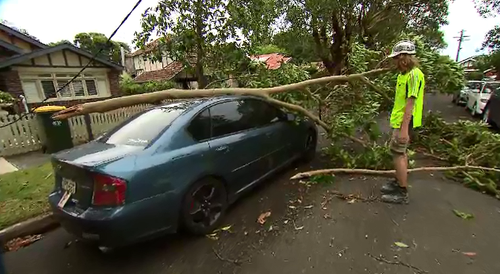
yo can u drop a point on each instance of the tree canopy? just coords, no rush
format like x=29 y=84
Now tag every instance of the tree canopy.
x=93 y=42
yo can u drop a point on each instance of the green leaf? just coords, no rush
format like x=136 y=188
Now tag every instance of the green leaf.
x=463 y=215
x=400 y=244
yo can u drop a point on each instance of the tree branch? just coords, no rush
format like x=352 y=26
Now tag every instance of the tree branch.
x=384 y=172
x=302 y=110
x=376 y=89
x=147 y=98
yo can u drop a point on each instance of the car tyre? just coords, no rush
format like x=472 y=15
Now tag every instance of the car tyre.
x=486 y=115
x=310 y=145
x=204 y=206
x=473 y=110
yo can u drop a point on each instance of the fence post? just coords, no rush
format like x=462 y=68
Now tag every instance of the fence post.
x=88 y=126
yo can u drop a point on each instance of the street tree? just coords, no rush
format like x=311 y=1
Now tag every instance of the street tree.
x=335 y=25
x=94 y=42
x=202 y=33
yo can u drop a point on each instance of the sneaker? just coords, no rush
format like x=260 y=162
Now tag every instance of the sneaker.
x=390 y=187
x=399 y=197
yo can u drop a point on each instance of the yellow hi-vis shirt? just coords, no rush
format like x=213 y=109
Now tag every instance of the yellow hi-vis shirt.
x=410 y=84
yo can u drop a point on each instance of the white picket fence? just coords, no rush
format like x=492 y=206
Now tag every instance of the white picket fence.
x=23 y=135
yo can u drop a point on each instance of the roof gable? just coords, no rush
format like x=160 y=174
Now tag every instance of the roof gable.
x=37 y=53
x=22 y=36
x=11 y=47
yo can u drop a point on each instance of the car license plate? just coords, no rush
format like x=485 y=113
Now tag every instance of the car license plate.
x=68 y=186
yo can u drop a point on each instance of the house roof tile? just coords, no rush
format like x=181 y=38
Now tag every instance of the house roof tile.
x=164 y=74
x=272 y=60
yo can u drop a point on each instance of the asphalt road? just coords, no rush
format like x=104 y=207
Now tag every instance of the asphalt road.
x=309 y=232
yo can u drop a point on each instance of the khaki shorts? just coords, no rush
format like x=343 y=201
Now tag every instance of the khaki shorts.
x=395 y=146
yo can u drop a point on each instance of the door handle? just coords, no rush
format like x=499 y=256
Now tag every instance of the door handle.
x=222 y=148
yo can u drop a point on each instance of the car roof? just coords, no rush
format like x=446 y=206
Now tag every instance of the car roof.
x=204 y=101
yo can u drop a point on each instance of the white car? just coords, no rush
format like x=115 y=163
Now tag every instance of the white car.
x=477 y=99
x=461 y=96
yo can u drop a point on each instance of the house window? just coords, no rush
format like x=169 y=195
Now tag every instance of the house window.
x=86 y=85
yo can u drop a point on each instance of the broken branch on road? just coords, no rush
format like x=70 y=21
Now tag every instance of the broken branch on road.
x=236 y=262
x=333 y=171
x=397 y=262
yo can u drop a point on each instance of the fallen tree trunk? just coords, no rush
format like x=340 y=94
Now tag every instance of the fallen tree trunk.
x=384 y=172
x=148 y=98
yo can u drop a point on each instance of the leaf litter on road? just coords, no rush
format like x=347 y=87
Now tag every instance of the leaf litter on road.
x=262 y=217
x=18 y=243
x=400 y=244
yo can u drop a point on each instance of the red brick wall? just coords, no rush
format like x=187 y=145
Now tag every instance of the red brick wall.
x=114 y=83
x=10 y=83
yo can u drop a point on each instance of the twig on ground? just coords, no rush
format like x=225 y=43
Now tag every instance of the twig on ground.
x=430 y=155
x=236 y=262
x=350 y=197
x=398 y=262
x=385 y=172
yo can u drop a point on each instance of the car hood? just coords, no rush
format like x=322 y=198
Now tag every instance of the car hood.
x=96 y=153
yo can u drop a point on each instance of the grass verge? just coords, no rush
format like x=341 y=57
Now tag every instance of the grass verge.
x=23 y=194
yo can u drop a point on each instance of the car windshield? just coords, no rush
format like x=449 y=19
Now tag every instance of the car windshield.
x=474 y=85
x=146 y=126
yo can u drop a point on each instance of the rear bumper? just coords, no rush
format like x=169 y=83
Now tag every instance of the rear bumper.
x=110 y=227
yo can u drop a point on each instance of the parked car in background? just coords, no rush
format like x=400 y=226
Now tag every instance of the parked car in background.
x=460 y=97
x=491 y=114
x=174 y=166
x=476 y=100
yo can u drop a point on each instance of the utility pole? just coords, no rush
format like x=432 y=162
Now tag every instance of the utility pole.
x=460 y=39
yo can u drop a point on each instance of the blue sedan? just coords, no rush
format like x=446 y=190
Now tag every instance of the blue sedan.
x=174 y=166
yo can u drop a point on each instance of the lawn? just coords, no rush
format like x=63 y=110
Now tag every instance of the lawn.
x=23 y=194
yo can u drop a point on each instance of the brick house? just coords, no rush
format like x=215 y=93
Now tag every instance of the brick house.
x=143 y=69
x=36 y=71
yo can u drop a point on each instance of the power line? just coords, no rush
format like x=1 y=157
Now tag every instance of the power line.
x=88 y=64
x=460 y=39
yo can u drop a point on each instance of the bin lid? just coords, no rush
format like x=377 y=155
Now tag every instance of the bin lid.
x=49 y=109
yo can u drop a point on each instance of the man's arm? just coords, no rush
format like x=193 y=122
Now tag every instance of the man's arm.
x=410 y=102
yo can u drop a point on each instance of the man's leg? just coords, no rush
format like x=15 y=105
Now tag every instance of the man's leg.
x=401 y=167
x=397 y=192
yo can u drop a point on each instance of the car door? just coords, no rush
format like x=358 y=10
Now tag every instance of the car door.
x=494 y=106
x=238 y=147
x=272 y=122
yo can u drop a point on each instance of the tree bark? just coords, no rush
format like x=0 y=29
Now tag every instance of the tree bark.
x=148 y=98
x=200 y=73
x=384 y=172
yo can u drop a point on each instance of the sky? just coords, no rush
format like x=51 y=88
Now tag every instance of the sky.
x=61 y=19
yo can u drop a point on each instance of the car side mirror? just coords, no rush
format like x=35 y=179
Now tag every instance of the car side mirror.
x=290 y=117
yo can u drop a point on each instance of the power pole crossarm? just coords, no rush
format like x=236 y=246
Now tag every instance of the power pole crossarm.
x=460 y=39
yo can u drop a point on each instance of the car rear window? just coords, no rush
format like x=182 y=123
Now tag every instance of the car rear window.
x=142 y=129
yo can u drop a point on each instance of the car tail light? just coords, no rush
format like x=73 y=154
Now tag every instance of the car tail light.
x=108 y=190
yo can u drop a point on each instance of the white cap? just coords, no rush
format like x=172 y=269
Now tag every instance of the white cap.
x=403 y=47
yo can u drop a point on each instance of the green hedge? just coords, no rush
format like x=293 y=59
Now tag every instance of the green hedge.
x=129 y=87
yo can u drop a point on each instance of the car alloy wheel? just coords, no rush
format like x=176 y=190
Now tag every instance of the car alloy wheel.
x=205 y=205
